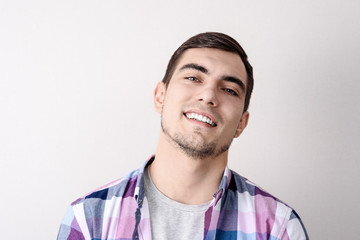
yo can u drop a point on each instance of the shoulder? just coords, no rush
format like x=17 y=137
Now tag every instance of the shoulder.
x=271 y=214
x=242 y=185
x=120 y=188
x=87 y=215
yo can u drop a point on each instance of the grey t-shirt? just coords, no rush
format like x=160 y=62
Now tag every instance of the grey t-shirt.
x=170 y=219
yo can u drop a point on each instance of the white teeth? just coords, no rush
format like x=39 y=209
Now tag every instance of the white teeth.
x=200 y=117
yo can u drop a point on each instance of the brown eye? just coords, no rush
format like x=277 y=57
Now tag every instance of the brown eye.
x=193 y=79
x=230 y=91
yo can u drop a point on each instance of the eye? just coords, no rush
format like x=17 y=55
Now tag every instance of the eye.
x=230 y=91
x=193 y=79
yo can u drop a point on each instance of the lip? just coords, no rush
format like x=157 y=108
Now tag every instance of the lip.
x=203 y=114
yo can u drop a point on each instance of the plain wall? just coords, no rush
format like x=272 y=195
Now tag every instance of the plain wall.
x=76 y=87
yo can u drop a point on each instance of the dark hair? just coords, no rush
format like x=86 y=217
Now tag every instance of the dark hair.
x=213 y=40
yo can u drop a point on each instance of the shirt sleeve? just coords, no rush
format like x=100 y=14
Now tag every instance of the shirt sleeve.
x=295 y=229
x=69 y=228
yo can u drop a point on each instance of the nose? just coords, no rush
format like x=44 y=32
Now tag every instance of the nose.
x=208 y=96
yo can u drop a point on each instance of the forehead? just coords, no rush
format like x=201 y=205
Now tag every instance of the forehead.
x=216 y=61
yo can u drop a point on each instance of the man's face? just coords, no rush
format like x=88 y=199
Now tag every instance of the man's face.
x=202 y=107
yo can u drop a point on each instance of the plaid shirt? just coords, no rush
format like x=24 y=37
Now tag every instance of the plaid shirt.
x=239 y=210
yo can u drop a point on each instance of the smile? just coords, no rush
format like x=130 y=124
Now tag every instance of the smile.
x=200 y=118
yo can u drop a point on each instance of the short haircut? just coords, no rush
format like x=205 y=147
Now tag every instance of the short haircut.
x=218 y=41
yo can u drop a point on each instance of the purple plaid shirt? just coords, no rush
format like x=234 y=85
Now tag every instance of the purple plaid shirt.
x=239 y=210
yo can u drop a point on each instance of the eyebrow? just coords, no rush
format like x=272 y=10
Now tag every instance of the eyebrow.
x=194 y=66
x=224 y=78
x=235 y=80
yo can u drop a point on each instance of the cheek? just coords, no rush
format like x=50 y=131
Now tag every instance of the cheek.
x=172 y=103
x=179 y=95
x=234 y=120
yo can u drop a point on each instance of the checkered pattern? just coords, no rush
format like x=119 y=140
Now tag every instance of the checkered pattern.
x=239 y=210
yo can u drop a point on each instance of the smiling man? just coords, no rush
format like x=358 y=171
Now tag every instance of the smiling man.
x=186 y=191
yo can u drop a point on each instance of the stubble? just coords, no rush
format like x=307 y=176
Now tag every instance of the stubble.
x=194 y=146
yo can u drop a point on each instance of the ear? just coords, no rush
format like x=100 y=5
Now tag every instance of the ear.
x=242 y=125
x=159 y=95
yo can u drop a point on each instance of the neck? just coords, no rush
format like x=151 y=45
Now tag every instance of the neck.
x=185 y=179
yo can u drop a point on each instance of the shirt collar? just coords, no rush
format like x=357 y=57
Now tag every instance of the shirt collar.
x=139 y=189
x=224 y=184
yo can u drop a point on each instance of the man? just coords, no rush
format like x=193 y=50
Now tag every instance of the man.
x=186 y=190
